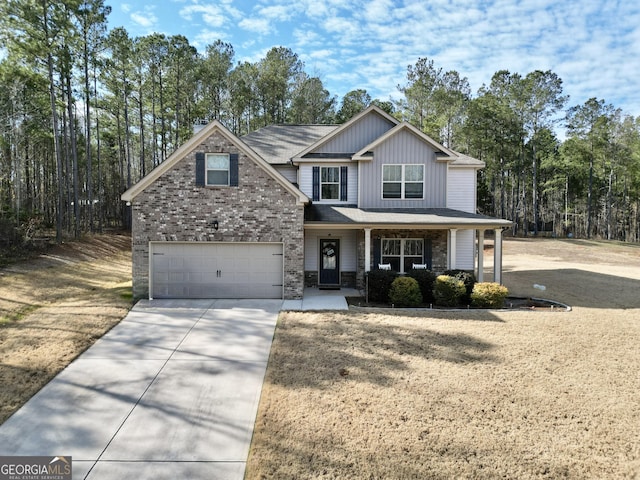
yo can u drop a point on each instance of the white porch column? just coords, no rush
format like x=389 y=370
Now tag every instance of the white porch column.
x=367 y=249
x=480 y=275
x=497 y=257
x=453 y=247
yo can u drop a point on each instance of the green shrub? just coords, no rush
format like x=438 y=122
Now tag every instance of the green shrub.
x=489 y=295
x=448 y=291
x=469 y=280
x=379 y=285
x=405 y=292
x=426 y=279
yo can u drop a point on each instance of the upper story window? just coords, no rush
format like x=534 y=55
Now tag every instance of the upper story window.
x=329 y=183
x=403 y=181
x=217 y=169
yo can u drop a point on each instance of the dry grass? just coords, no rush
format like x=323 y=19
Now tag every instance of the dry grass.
x=54 y=307
x=474 y=394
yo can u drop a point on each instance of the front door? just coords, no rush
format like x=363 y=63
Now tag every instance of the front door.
x=329 y=262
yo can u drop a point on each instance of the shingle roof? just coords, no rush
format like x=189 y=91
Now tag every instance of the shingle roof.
x=277 y=144
x=440 y=217
x=466 y=160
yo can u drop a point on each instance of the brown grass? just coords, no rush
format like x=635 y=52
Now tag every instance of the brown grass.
x=54 y=307
x=470 y=394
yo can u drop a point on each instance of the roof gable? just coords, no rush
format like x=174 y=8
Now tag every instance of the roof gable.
x=317 y=147
x=193 y=143
x=443 y=154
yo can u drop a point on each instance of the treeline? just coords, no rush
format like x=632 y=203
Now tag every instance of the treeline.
x=86 y=112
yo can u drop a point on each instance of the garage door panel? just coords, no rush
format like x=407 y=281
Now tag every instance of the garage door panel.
x=207 y=270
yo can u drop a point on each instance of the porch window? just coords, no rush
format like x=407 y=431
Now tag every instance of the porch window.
x=330 y=183
x=402 y=181
x=402 y=253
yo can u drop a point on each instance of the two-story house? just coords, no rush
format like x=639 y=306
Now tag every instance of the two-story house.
x=289 y=206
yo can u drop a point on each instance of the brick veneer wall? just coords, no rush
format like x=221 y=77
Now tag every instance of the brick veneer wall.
x=260 y=209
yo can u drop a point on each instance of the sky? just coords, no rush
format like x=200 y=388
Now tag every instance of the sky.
x=592 y=45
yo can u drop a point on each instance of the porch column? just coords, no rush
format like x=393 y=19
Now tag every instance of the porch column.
x=367 y=249
x=480 y=274
x=453 y=244
x=497 y=257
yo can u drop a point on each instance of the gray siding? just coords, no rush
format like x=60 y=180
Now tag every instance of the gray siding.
x=461 y=191
x=288 y=172
x=465 y=249
x=358 y=136
x=404 y=148
x=306 y=181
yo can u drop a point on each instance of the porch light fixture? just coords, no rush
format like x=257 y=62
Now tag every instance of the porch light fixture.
x=215 y=225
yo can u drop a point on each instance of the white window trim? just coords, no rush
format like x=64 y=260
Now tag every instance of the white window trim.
x=207 y=170
x=330 y=183
x=402 y=181
x=402 y=255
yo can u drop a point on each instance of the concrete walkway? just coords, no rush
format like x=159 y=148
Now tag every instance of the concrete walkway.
x=317 y=299
x=171 y=392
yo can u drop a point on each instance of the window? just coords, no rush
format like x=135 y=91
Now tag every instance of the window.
x=329 y=183
x=217 y=169
x=402 y=181
x=402 y=253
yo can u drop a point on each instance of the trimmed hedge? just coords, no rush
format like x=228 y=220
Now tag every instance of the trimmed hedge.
x=426 y=279
x=448 y=291
x=405 y=292
x=489 y=295
x=380 y=284
x=469 y=280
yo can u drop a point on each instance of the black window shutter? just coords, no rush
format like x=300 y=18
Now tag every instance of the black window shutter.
x=377 y=252
x=316 y=184
x=427 y=255
x=200 y=170
x=233 y=170
x=343 y=183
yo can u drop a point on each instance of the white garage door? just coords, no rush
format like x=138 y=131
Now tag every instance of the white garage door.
x=216 y=270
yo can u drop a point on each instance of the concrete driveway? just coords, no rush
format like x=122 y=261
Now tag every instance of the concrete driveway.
x=171 y=392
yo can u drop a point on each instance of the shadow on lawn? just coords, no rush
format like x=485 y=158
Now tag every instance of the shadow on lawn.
x=316 y=352
x=577 y=288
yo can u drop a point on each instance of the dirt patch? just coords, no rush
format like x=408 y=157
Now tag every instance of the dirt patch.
x=466 y=394
x=54 y=307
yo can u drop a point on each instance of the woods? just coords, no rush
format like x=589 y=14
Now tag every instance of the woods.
x=87 y=111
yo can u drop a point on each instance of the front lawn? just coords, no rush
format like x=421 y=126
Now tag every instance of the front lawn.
x=471 y=394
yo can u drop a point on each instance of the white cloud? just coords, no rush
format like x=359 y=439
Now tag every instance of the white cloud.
x=281 y=13
x=144 y=19
x=260 y=26
x=212 y=15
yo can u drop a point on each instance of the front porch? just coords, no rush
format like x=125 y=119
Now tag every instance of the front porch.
x=440 y=238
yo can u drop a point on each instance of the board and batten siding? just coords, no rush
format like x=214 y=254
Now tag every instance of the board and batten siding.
x=404 y=148
x=306 y=181
x=348 y=248
x=358 y=136
x=461 y=189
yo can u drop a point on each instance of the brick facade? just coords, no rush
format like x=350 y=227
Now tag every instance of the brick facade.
x=260 y=209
